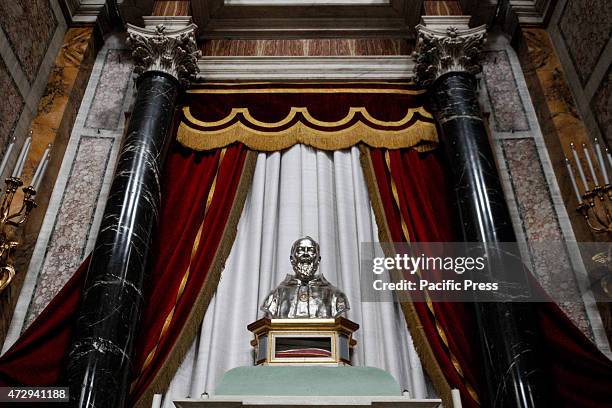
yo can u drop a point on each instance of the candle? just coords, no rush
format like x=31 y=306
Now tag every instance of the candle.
x=7 y=154
x=456 y=397
x=43 y=169
x=602 y=163
x=573 y=179
x=157 y=401
x=590 y=163
x=22 y=157
x=579 y=166
x=609 y=156
x=42 y=166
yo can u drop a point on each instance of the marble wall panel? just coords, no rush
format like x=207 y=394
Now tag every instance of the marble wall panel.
x=171 y=8
x=560 y=124
x=66 y=251
x=581 y=33
x=62 y=96
x=312 y=47
x=503 y=93
x=442 y=8
x=602 y=107
x=540 y=223
x=586 y=27
x=326 y=46
x=541 y=60
x=84 y=172
x=383 y=47
x=52 y=124
x=527 y=166
x=29 y=26
x=11 y=108
x=106 y=110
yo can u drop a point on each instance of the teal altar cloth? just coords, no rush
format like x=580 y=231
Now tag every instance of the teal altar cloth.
x=306 y=380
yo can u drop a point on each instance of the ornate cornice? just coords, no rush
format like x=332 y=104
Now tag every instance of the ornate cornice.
x=174 y=52
x=451 y=50
x=283 y=68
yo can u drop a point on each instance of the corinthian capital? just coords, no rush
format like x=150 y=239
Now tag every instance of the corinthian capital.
x=173 y=51
x=440 y=51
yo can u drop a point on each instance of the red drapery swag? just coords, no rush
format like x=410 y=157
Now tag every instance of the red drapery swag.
x=412 y=199
x=202 y=200
x=327 y=116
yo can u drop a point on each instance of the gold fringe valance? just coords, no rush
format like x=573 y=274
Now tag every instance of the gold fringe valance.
x=300 y=127
x=327 y=116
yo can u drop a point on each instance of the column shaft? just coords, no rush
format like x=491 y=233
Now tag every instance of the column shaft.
x=507 y=330
x=101 y=351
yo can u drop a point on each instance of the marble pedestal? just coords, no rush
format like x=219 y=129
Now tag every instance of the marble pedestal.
x=308 y=401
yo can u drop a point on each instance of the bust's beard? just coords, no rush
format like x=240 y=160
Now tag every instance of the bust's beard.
x=305 y=269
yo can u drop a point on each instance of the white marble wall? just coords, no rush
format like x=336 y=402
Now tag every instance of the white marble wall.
x=539 y=216
x=73 y=217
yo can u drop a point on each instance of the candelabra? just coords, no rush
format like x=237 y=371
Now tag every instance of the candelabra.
x=595 y=198
x=11 y=222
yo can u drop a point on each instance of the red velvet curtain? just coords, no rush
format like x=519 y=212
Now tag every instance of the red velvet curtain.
x=414 y=191
x=416 y=200
x=197 y=229
x=37 y=358
x=200 y=207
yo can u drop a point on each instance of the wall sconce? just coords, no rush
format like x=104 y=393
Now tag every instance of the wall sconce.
x=595 y=201
x=11 y=223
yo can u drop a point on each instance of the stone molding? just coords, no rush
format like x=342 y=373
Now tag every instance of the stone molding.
x=443 y=22
x=441 y=51
x=531 y=13
x=170 y=22
x=174 y=52
x=279 y=68
x=88 y=11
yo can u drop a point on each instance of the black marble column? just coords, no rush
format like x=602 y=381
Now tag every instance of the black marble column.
x=507 y=330
x=101 y=352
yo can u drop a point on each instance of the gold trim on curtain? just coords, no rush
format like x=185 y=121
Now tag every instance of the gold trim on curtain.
x=422 y=136
x=241 y=126
x=326 y=116
x=415 y=327
x=164 y=376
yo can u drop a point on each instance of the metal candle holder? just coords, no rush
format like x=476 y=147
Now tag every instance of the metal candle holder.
x=11 y=222
x=595 y=199
x=595 y=208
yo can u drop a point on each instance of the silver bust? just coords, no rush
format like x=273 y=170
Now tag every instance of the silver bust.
x=306 y=294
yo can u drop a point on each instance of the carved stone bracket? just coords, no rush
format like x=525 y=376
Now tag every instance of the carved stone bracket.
x=174 y=52
x=451 y=50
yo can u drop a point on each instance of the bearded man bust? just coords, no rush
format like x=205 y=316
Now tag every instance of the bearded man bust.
x=307 y=294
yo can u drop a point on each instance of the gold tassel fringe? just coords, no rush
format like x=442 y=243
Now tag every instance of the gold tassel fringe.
x=420 y=135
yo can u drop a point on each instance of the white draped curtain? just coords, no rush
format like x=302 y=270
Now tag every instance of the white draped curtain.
x=297 y=192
